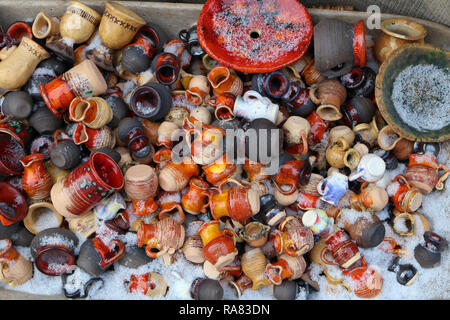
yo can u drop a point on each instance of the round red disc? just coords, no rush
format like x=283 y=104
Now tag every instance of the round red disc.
x=255 y=36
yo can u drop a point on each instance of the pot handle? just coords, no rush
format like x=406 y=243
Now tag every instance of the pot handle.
x=206 y=194
x=401 y=179
x=324 y=258
x=312 y=95
x=118 y=244
x=56 y=136
x=445 y=175
x=230 y=233
x=153 y=244
x=356 y=175
x=321 y=187
x=304 y=142
x=225 y=181
x=291 y=249
x=183 y=35
x=216 y=110
x=255 y=94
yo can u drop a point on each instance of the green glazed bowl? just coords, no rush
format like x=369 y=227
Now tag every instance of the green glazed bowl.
x=402 y=58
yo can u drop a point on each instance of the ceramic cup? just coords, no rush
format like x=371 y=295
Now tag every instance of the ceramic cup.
x=253 y=106
x=371 y=168
x=333 y=187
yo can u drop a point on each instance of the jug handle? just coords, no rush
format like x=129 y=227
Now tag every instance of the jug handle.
x=445 y=175
x=312 y=95
x=119 y=253
x=356 y=175
x=224 y=107
x=230 y=233
x=153 y=244
x=324 y=258
x=257 y=95
x=321 y=187
x=403 y=180
x=57 y=136
x=183 y=35
x=225 y=181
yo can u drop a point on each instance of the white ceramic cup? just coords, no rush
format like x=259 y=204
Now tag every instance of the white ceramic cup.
x=253 y=106
x=371 y=168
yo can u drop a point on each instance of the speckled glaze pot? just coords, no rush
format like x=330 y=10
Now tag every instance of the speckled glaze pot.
x=53 y=250
x=96 y=256
x=87 y=185
x=359 y=82
x=36 y=180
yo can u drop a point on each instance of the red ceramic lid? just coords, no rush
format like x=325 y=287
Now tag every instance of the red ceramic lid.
x=255 y=36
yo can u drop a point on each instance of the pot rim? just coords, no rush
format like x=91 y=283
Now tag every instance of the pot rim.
x=408 y=25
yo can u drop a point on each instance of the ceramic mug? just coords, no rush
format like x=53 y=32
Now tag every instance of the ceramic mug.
x=196 y=199
x=333 y=187
x=371 y=168
x=344 y=251
x=253 y=106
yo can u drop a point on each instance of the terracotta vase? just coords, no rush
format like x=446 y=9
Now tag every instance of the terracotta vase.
x=292 y=238
x=371 y=198
x=238 y=202
x=286 y=267
x=84 y=80
x=21 y=62
x=164 y=237
x=218 y=245
x=14 y=268
x=36 y=180
x=175 y=176
x=141 y=182
x=94 y=112
x=44 y=26
x=196 y=199
x=254 y=265
x=405 y=197
x=223 y=81
x=87 y=185
x=423 y=172
x=396 y=33
x=329 y=95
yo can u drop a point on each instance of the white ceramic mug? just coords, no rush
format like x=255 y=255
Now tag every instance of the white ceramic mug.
x=254 y=106
x=371 y=168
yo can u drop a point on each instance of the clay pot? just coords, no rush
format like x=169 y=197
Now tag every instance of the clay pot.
x=311 y=186
x=13 y=205
x=318 y=222
x=17 y=104
x=96 y=256
x=206 y=289
x=366 y=232
x=372 y=198
x=166 y=68
x=43 y=120
x=93 y=138
x=196 y=199
x=329 y=95
x=151 y=284
x=287 y=290
x=333 y=47
x=41 y=210
x=396 y=33
x=238 y=202
x=271 y=140
x=82 y=189
x=366 y=282
x=193 y=249
x=286 y=267
x=218 y=245
x=53 y=250
x=21 y=62
x=274 y=84
x=298 y=101
x=405 y=197
x=252 y=106
x=345 y=252
x=141 y=182
x=207 y=145
x=8 y=231
x=255 y=234
x=190 y=36
x=164 y=237
x=271 y=212
x=14 y=268
x=134 y=257
x=44 y=26
x=19 y=30
x=371 y=168
x=253 y=265
x=223 y=81
x=293 y=238
x=423 y=172
x=339 y=155
x=94 y=112
x=175 y=176
x=296 y=131
x=84 y=80
x=341 y=131
x=357 y=111
x=221 y=169
x=65 y=154
x=197 y=90
x=36 y=181
x=152 y=101
x=359 y=82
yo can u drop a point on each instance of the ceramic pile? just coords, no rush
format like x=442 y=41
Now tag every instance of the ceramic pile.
x=119 y=146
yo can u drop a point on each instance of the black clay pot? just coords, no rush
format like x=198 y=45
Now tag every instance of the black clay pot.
x=17 y=104
x=152 y=101
x=129 y=125
x=74 y=287
x=89 y=259
x=22 y=237
x=359 y=82
x=427 y=147
x=8 y=231
x=297 y=100
x=333 y=47
x=190 y=36
x=358 y=110
x=42 y=144
x=274 y=85
x=32 y=85
x=372 y=236
x=388 y=157
x=110 y=152
x=406 y=274
x=43 y=120
x=55 y=64
x=439 y=242
x=134 y=257
x=66 y=155
x=287 y=290
x=262 y=137
x=206 y=289
x=119 y=109
x=428 y=255
x=135 y=60
x=270 y=212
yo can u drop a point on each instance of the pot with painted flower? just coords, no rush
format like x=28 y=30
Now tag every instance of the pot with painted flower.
x=218 y=245
x=286 y=267
x=405 y=197
x=14 y=268
x=329 y=95
x=196 y=199
x=423 y=172
x=292 y=238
